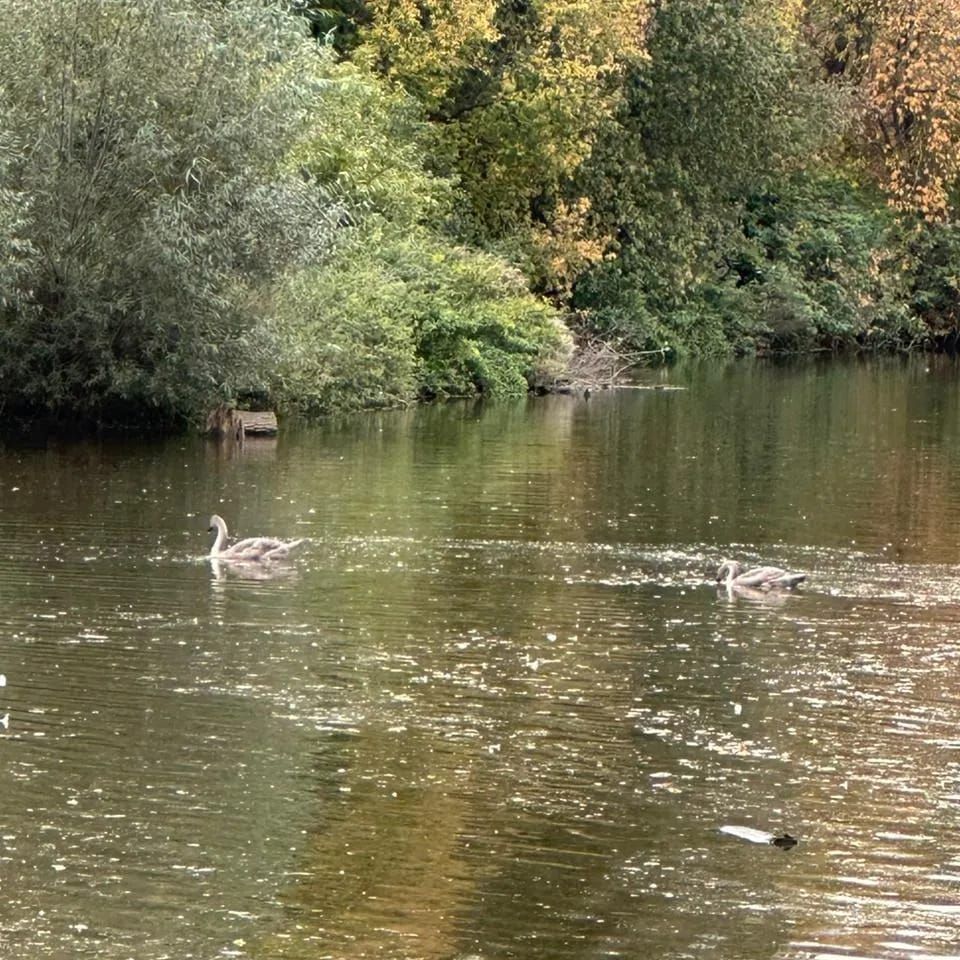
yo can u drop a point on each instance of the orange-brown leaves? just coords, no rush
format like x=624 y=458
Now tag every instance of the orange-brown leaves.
x=913 y=97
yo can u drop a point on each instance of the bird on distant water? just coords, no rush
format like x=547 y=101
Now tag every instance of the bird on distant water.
x=731 y=574
x=784 y=842
x=251 y=550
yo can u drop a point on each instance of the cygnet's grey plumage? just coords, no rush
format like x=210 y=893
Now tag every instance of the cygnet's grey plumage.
x=732 y=574
x=251 y=550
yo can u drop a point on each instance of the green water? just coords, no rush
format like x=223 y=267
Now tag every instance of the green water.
x=496 y=707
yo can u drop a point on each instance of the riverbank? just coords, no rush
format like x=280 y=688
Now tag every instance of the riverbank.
x=345 y=210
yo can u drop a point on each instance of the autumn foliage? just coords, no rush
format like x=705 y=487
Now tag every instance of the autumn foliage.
x=342 y=203
x=518 y=94
x=913 y=97
x=901 y=58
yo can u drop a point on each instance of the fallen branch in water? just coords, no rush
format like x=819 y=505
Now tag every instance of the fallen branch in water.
x=599 y=364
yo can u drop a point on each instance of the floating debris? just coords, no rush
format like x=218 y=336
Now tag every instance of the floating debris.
x=784 y=840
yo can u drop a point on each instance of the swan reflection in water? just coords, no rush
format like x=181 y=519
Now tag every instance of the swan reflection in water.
x=767 y=598
x=250 y=570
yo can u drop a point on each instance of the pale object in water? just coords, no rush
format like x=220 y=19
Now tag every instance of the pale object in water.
x=784 y=841
x=251 y=550
x=731 y=574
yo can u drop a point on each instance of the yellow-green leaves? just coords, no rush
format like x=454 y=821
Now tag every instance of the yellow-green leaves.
x=519 y=93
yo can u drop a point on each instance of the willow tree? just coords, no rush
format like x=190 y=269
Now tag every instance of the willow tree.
x=144 y=205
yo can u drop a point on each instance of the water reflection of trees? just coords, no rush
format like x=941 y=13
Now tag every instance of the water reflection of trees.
x=545 y=723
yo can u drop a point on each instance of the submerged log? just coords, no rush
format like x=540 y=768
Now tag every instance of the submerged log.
x=227 y=422
x=261 y=423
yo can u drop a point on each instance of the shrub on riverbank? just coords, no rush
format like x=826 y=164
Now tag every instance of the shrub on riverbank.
x=400 y=310
x=396 y=316
x=818 y=262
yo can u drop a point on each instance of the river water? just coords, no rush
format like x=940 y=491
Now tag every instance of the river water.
x=497 y=707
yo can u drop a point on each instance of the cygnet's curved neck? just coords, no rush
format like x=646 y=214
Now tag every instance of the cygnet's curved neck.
x=729 y=570
x=217 y=523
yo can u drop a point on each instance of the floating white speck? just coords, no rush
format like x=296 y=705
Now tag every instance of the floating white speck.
x=748 y=833
x=3 y=679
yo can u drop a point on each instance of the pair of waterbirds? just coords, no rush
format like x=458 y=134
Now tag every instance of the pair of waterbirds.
x=267 y=549
x=258 y=550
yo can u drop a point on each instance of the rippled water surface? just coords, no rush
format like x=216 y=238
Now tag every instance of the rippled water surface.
x=496 y=707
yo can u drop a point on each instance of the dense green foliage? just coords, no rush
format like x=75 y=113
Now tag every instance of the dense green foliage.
x=401 y=309
x=397 y=314
x=172 y=173
x=716 y=234
x=332 y=204
x=813 y=262
x=147 y=203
